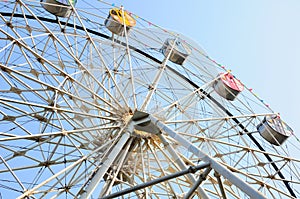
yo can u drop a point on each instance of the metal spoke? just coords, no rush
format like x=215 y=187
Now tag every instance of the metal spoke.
x=94 y=103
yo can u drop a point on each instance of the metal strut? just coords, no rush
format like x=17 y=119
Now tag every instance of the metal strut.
x=197 y=184
x=222 y=170
x=286 y=182
x=106 y=164
x=191 y=169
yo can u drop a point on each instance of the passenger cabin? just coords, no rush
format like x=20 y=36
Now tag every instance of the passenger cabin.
x=227 y=86
x=117 y=20
x=60 y=8
x=179 y=50
x=274 y=130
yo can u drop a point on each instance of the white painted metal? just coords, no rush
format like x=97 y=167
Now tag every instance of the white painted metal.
x=68 y=89
x=157 y=78
x=31 y=191
x=253 y=193
x=182 y=165
x=106 y=164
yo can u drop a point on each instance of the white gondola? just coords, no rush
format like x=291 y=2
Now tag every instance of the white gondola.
x=179 y=51
x=117 y=20
x=227 y=86
x=60 y=8
x=274 y=130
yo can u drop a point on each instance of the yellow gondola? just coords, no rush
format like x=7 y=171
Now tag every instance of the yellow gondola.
x=117 y=20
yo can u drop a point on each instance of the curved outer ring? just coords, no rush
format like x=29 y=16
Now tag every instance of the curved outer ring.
x=286 y=183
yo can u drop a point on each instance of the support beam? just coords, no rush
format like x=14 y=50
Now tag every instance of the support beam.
x=120 y=162
x=191 y=169
x=108 y=162
x=246 y=188
x=182 y=165
x=197 y=184
x=221 y=185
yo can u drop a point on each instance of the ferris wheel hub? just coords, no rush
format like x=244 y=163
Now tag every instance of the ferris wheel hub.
x=143 y=127
x=92 y=106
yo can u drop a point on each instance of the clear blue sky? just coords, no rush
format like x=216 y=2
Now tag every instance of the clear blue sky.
x=259 y=40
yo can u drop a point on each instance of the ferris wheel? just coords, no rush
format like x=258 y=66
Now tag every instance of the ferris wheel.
x=96 y=103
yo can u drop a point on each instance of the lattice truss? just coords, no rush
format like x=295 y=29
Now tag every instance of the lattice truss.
x=87 y=112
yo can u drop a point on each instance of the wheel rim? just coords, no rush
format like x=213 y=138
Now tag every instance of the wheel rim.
x=68 y=96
